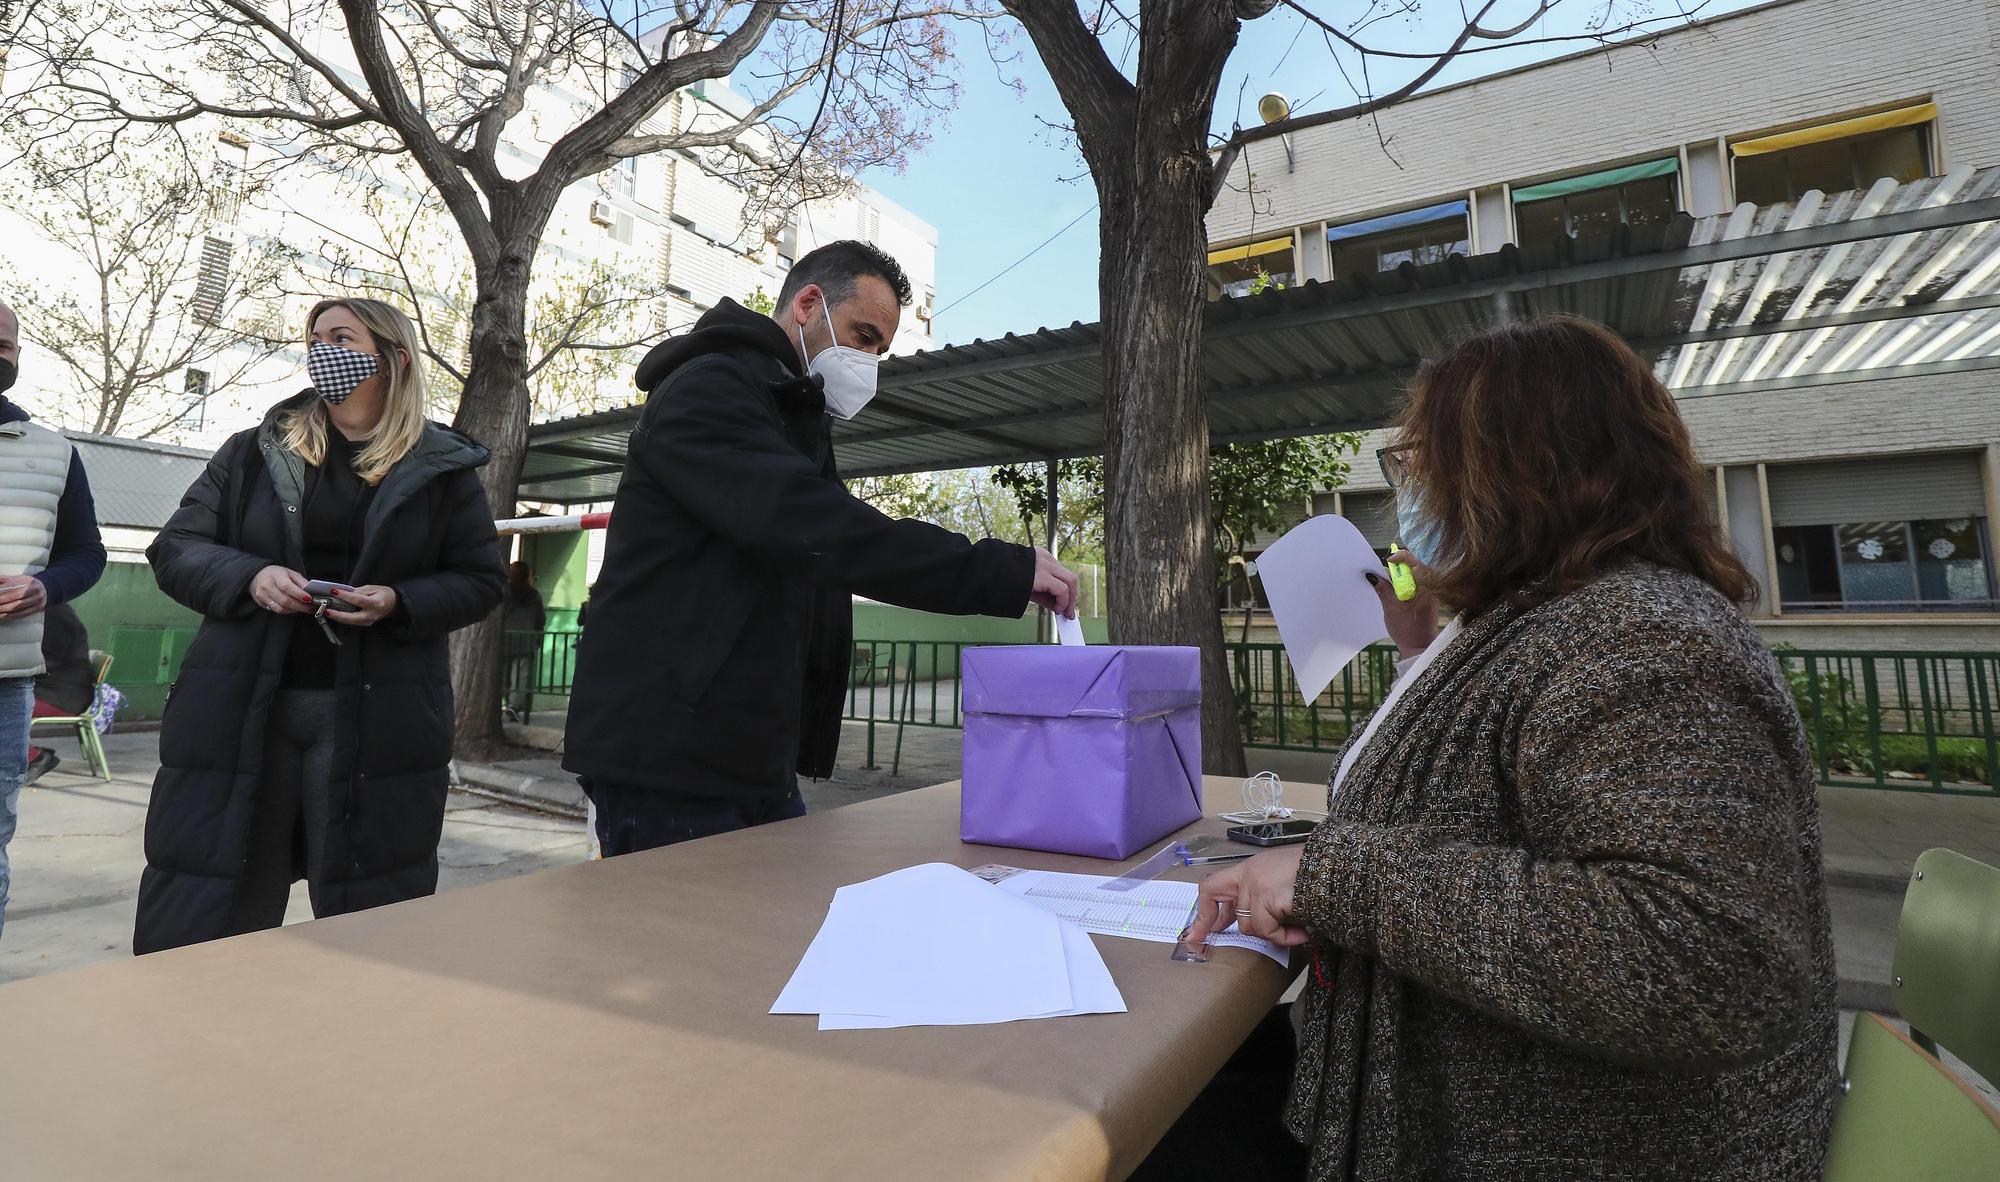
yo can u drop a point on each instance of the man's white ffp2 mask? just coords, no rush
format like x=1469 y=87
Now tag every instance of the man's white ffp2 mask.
x=847 y=376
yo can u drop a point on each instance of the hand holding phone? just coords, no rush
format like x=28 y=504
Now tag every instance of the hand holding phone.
x=322 y=591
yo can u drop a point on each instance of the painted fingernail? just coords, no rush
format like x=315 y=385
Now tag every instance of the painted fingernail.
x=1372 y=577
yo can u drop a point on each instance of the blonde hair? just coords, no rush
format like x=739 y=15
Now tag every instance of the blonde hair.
x=402 y=420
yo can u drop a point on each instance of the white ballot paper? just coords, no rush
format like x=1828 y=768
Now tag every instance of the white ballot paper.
x=1315 y=578
x=1068 y=631
x=934 y=946
x=1156 y=911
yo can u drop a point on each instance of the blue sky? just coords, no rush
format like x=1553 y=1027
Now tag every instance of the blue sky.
x=996 y=181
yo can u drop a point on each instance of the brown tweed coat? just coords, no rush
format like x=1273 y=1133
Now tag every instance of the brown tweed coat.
x=1568 y=912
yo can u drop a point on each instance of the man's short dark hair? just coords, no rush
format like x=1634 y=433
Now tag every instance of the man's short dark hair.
x=836 y=269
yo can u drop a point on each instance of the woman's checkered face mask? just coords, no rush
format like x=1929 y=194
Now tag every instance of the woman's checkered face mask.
x=335 y=371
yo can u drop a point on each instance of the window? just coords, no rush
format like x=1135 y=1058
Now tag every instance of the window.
x=1417 y=236
x=1928 y=565
x=211 y=286
x=788 y=243
x=1596 y=204
x=621 y=227
x=1237 y=270
x=225 y=189
x=194 y=399
x=1835 y=157
x=1374 y=514
x=622 y=178
x=1242 y=589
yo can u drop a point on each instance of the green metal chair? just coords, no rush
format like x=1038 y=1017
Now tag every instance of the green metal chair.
x=85 y=724
x=1947 y=968
x=1903 y=1115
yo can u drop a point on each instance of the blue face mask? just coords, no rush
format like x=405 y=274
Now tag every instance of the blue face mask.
x=1421 y=534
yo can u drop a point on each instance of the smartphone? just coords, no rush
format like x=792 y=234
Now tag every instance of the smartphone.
x=322 y=590
x=1273 y=832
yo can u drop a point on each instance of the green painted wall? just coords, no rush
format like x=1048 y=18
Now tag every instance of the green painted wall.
x=128 y=616
x=560 y=562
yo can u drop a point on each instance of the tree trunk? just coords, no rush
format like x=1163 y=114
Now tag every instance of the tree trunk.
x=1157 y=533
x=494 y=411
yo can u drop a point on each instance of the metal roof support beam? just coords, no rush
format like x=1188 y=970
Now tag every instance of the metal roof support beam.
x=1839 y=378
x=579 y=473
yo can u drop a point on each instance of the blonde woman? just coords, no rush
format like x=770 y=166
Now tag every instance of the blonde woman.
x=329 y=551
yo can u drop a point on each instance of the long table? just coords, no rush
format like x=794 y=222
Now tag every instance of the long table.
x=606 y=1019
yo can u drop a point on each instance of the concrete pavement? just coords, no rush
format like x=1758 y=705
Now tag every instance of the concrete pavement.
x=80 y=848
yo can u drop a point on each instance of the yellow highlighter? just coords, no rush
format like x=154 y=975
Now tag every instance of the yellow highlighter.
x=1401 y=577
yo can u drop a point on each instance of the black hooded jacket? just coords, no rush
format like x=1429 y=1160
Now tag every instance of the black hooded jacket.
x=720 y=636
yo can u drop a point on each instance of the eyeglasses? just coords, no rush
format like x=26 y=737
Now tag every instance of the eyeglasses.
x=1395 y=469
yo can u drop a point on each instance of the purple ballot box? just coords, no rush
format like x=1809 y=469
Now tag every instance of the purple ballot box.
x=1092 y=750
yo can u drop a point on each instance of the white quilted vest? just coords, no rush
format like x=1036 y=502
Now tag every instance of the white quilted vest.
x=34 y=466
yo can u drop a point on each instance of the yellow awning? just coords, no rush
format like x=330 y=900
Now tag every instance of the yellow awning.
x=1859 y=125
x=1237 y=254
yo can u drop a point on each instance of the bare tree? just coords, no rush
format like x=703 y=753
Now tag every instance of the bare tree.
x=1142 y=120
x=145 y=313
x=460 y=88
x=586 y=321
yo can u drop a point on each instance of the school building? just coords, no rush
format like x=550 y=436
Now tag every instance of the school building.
x=1846 y=394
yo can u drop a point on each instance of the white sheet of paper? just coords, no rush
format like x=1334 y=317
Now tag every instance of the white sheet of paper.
x=1156 y=911
x=1090 y=985
x=932 y=945
x=1315 y=580
x=1068 y=631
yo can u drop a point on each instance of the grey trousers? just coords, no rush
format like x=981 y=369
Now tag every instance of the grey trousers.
x=290 y=817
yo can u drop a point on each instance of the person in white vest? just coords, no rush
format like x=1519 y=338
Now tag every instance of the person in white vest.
x=50 y=553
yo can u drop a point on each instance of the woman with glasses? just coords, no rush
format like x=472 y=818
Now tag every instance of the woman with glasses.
x=1565 y=918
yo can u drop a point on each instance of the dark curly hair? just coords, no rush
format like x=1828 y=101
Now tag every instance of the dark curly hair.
x=1548 y=450
x=837 y=268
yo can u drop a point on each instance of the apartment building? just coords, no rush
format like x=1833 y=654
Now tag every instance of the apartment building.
x=681 y=228
x=1866 y=506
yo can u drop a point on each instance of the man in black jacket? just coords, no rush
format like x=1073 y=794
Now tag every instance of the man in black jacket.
x=716 y=659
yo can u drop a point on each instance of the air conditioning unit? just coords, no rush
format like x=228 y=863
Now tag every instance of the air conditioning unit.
x=602 y=213
x=924 y=313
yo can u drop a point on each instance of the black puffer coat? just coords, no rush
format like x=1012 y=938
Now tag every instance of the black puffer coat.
x=429 y=535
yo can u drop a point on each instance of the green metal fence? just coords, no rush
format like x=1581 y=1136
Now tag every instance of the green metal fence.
x=535 y=667
x=1916 y=721
x=1273 y=714
x=1912 y=721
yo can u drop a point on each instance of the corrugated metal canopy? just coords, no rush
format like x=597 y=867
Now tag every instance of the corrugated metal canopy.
x=1899 y=279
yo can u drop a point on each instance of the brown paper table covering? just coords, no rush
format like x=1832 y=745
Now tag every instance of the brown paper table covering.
x=607 y=1019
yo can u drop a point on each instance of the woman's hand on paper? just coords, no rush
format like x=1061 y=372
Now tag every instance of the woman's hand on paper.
x=1261 y=886
x=1412 y=625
